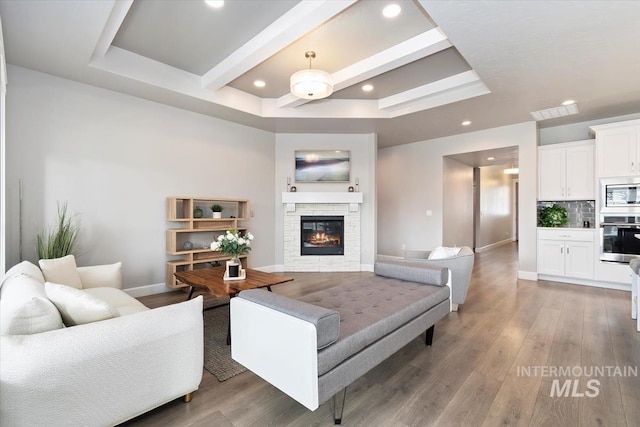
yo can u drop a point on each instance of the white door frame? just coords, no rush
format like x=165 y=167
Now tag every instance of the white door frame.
x=514 y=207
x=3 y=163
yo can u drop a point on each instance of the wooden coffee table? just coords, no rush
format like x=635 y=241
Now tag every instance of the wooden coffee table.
x=211 y=281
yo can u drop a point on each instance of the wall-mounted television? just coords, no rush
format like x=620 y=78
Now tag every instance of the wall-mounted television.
x=323 y=166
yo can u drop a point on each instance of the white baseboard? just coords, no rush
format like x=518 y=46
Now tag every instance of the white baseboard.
x=279 y=268
x=366 y=267
x=493 y=245
x=143 y=291
x=269 y=268
x=528 y=275
x=585 y=282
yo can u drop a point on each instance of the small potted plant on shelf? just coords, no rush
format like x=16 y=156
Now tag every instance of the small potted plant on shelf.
x=217 y=211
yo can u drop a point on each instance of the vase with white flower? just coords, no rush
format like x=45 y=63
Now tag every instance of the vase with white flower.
x=234 y=244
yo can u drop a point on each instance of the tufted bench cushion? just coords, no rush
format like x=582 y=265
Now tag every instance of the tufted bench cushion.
x=418 y=273
x=369 y=309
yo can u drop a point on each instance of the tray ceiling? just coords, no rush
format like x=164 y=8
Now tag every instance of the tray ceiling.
x=433 y=66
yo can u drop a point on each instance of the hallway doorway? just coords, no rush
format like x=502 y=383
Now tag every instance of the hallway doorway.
x=480 y=200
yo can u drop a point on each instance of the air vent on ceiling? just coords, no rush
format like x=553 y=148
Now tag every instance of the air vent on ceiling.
x=554 y=113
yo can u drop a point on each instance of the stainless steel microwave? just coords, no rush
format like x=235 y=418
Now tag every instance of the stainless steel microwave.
x=620 y=195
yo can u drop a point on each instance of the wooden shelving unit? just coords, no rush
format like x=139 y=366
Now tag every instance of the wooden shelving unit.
x=200 y=232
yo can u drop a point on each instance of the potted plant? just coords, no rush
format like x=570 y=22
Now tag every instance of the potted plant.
x=553 y=216
x=217 y=211
x=59 y=240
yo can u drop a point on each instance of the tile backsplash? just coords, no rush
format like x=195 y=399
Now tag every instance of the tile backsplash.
x=578 y=211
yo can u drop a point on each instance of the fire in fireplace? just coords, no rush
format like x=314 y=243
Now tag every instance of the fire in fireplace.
x=321 y=235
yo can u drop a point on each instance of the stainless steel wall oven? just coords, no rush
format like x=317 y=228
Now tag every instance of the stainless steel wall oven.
x=619 y=238
x=619 y=219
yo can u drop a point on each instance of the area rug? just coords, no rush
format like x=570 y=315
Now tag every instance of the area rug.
x=217 y=354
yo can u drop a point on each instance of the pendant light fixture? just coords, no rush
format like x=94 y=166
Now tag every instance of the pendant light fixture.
x=512 y=170
x=310 y=83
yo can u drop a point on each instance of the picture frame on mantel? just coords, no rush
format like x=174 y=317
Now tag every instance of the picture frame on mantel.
x=327 y=166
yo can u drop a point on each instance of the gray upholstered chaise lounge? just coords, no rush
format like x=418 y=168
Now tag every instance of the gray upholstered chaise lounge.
x=314 y=347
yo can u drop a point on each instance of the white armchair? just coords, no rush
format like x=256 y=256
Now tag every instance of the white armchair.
x=460 y=267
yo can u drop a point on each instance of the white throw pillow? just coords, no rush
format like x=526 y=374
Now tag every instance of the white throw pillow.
x=27 y=268
x=100 y=276
x=25 y=309
x=443 y=252
x=77 y=307
x=61 y=270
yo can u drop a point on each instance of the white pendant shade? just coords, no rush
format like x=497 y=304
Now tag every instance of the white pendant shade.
x=311 y=84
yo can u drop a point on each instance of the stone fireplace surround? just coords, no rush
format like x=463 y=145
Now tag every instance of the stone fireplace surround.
x=317 y=204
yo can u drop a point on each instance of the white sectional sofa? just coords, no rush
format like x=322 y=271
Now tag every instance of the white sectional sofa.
x=119 y=360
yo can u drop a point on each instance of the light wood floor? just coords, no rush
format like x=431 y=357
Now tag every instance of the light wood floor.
x=470 y=376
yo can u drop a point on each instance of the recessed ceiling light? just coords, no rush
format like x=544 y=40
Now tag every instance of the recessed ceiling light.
x=466 y=123
x=569 y=102
x=367 y=88
x=391 y=10
x=215 y=3
x=491 y=158
x=259 y=83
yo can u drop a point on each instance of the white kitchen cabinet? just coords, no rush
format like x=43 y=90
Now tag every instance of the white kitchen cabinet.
x=566 y=252
x=618 y=148
x=566 y=171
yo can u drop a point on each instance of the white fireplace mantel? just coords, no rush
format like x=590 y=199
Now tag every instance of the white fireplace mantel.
x=292 y=198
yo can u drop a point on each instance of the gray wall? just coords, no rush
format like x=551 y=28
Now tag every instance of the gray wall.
x=457 y=204
x=115 y=158
x=411 y=182
x=577 y=131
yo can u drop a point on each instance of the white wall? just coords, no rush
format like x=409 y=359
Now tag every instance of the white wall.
x=496 y=212
x=363 y=149
x=115 y=159
x=411 y=182
x=457 y=204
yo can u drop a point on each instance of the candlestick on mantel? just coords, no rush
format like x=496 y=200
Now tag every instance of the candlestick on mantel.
x=357 y=184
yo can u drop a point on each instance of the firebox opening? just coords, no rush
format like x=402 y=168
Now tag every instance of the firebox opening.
x=321 y=235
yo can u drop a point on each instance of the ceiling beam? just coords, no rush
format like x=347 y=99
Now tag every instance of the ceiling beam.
x=300 y=20
x=410 y=50
x=445 y=91
x=111 y=27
